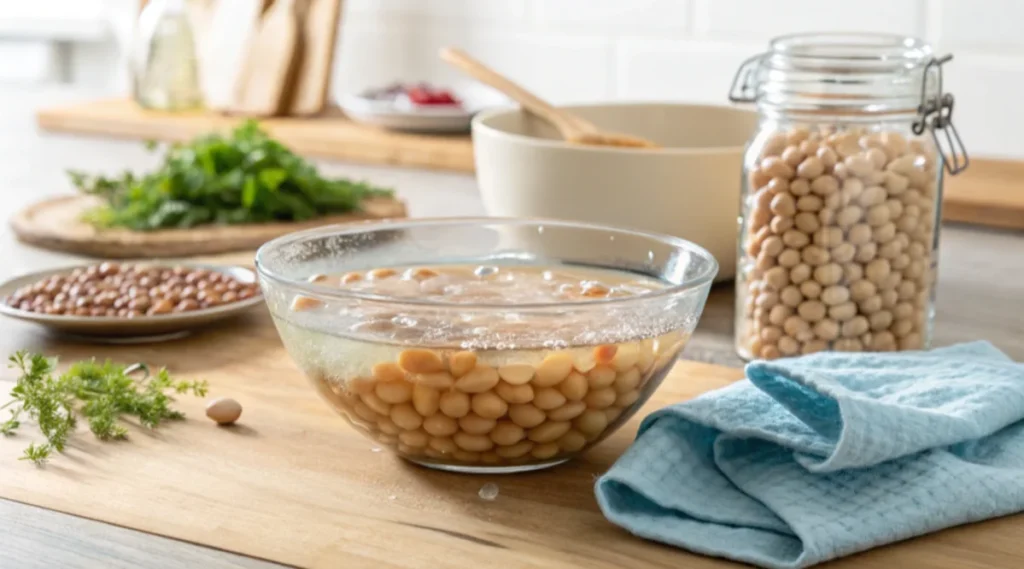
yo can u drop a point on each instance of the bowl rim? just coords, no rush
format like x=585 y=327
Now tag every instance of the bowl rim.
x=480 y=123
x=704 y=279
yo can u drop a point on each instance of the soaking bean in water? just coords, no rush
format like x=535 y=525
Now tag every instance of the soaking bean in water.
x=480 y=386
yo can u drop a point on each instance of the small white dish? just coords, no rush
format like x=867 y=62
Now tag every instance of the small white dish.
x=401 y=115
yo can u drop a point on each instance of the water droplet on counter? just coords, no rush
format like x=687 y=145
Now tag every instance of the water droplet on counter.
x=485 y=270
x=375 y=449
x=488 y=492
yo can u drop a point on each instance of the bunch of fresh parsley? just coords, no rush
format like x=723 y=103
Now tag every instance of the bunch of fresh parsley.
x=244 y=177
x=98 y=392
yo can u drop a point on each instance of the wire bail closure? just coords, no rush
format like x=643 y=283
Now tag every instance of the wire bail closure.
x=935 y=113
x=744 y=87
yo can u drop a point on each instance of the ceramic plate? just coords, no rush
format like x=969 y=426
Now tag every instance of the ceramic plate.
x=129 y=330
x=440 y=119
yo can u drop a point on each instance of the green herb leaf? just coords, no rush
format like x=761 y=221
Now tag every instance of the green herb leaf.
x=243 y=177
x=102 y=393
x=38 y=454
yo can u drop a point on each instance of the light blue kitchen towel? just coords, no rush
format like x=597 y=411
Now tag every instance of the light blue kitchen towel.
x=817 y=457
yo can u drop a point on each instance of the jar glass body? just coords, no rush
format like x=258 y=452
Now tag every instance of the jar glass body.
x=838 y=238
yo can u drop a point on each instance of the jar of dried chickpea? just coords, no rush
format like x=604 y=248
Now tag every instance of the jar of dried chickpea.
x=841 y=191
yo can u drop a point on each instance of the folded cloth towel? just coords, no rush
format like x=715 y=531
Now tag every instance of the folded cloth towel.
x=822 y=456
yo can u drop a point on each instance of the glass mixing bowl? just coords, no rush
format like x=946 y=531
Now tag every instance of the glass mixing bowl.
x=486 y=386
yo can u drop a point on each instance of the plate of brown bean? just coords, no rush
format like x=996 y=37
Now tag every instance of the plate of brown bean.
x=129 y=301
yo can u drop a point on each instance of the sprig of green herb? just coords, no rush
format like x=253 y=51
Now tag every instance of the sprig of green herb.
x=244 y=177
x=99 y=392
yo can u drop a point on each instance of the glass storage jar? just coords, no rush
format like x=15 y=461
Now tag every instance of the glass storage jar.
x=841 y=197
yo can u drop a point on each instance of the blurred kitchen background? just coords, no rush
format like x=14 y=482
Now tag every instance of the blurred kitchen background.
x=570 y=50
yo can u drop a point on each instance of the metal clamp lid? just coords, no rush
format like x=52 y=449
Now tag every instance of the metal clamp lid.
x=935 y=113
x=744 y=86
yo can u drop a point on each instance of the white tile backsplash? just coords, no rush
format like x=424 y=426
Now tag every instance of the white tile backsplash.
x=613 y=16
x=991 y=25
x=758 y=20
x=678 y=70
x=682 y=50
x=591 y=50
x=493 y=11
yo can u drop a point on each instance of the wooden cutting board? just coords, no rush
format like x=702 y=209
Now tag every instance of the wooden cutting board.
x=989 y=193
x=56 y=224
x=329 y=136
x=319 y=36
x=271 y=62
x=231 y=25
x=294 y=484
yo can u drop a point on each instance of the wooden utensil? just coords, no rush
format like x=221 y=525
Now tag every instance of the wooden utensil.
x=573 y=129
x=319 y=36
x=223 y=50
x=271 y=62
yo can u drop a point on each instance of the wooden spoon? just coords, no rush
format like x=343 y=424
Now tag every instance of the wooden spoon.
x=573 y=129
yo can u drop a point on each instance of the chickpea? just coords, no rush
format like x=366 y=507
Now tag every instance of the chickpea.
x=812 y=310
x=776 y=277
x=828 y=274
x=799 y=187
x=776 y=167
x=810 y=168
x=826 y=329
x=793 y=156
x=884 y=233
x=859 y=165
x=795 y=239
x=848 y=345
x=848 y=216
x=810 y=289
x=834 y=295
x=855 y=327
x=843 y=253
x=783 y=204
x=843 y=311
x=779 y=225
x=866 y=252
x=791 y=296
x=799 y=273
x=815 y=256
x=789 y=258
x=827 y=156
x=810 y=203
x=806 y=222
x=828 y=237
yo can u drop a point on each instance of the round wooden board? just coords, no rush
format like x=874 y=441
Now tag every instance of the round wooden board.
x=56 y=224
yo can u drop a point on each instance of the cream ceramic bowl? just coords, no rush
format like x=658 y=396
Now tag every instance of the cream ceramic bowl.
x=690 y=188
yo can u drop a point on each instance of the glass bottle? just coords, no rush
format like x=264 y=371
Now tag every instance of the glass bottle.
x=165 y=69
x=841 y=194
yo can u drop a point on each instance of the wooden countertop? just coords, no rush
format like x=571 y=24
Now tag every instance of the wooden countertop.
x=980 y=296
